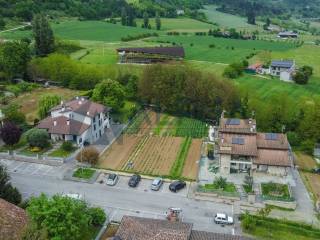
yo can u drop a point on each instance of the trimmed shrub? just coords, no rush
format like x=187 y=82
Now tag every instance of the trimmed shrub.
x=10 y=133
x=38 y=138
x=67 y=146
x=88 y=155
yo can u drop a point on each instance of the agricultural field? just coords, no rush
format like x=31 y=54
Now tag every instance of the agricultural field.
x=304 y=161
x=144 y=149
x=28 y=102
x=221 y=50
x=228 y=20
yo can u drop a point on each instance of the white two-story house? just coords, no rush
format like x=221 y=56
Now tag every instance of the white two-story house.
x=79 y=120
x=284 y=69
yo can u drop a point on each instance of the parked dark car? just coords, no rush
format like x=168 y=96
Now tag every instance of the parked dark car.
x=177 y=185
x=134 y=180
x=316 y=170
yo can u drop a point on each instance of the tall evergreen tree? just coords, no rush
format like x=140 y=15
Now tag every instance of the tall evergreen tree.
x=158 y=21
x=123 y=16
x=43 y=35
x=145 y=20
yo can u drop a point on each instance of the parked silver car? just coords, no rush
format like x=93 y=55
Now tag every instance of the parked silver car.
x=156 y=184
x=222 y=218
x=112 y=179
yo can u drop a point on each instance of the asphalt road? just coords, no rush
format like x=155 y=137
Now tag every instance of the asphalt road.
x=121 y=200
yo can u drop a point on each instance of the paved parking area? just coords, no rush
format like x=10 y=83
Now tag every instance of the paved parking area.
x=33 y=168
x=144 y=186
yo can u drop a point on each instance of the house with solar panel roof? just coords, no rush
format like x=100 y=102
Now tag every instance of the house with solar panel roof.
x=241 y=149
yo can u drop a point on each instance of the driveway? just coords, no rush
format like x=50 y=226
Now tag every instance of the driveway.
x=109 y=136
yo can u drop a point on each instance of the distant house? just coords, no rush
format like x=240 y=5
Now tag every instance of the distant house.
x=13 y=220
x=283 y=69
x=137 y=228
x=180 y=12
x=254 y=68
x=287 y=34
x=79 y=120
x=242 y=149
x=149 y=55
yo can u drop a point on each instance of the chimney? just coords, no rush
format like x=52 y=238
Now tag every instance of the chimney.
x=222 y=140
x=88 y=113
x=68 y=122
x=54 y=123
x=80 y=102
x=82 y=99
x=62 y=102
x=250 y=120
x=77 y=98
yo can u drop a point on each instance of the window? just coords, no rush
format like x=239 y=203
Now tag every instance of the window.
x=94 y=127
x=94 y=119
x=80 y=140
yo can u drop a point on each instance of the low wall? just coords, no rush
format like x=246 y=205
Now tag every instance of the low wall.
x=282 y=204
x=51 y=161
x=215 y=197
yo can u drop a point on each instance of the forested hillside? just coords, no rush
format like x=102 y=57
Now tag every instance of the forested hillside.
x=283 y=8
x=94 y=9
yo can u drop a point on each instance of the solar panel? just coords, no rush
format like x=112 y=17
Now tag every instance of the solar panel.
x=271 y=136
x=238 y=141
x=233 y=121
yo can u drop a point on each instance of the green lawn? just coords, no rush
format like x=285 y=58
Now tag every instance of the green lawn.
x=85 y=30
x=85 y=173
x=60 y=153
x=224 y=50
x=274 y=229
x=177 y=167
x=228 y=20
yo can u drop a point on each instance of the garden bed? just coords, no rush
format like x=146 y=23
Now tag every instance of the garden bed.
x=84 y=173
x=276 y=192
x=33 y=151
x=229 y=189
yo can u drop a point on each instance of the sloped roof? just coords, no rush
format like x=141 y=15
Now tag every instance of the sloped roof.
x=82 y=106
x=273 y=158
x=280 y=142
x=137 y=228
x=234 y=125
x=168 y=51
x=282 y=63
x=200 y=235
x=12 y=220
x=248 y=146
x=61 y=127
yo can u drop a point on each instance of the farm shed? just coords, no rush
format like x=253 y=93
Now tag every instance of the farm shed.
x=149 y=55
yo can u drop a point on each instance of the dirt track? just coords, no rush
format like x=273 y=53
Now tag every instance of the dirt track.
x=191 y=165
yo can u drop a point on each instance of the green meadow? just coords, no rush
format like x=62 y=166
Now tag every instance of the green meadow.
x=179 y=24
x=228 y=20
x=85 y=30
x=221 y=50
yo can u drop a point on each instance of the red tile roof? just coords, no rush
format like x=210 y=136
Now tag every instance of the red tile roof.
x=281 y=141
x=245 y=126
x=12 y=221
x=200 y=235
x=249 y=148
x=273 y=158
x=62 y=127
x=136 y=228
x=82 y=106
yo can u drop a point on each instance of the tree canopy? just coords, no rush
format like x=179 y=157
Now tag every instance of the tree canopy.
x=7 y=191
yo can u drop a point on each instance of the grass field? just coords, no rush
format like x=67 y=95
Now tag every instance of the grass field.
x=304 y=161
x=179 y=24
x=29 y=101
x=224 y=50
x=85 y=30
x=228 y=20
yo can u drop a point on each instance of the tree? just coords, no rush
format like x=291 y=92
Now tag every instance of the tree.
x=303 y=74
x=64 y=218
x=37 y=138
x=145 y=20
x=110 y=93
x=123 y=16
x=14 y=58
x=10 y=133
x=98 y=216
x=2 y=23
x=13 y=114
x=43 y=35
x=47 y=102
x=7 y=191
x=88 y=155
x=158 y=21
x=251 y=16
